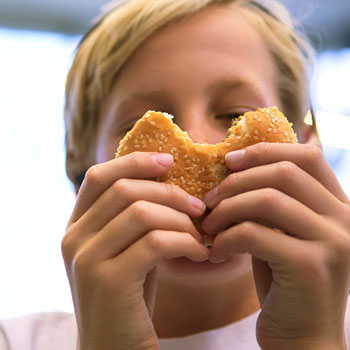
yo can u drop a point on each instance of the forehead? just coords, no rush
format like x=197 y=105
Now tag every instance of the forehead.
x=217 y=40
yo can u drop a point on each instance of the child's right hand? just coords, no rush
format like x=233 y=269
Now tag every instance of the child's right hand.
x=121 y=227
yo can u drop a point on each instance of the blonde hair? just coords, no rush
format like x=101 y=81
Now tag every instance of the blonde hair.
x=125 y=26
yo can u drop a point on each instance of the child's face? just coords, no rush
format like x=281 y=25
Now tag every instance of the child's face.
x=202 y=70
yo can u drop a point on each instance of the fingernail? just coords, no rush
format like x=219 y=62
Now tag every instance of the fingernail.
x=205 y=224
x=164 y=159
x=196 y=203
x=234 y=157
x=211 y=195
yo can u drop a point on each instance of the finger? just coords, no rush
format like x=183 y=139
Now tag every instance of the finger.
x=124 y=192
x=263 y=243
x=267 y=206
x=131 y=225
x=158 y=245
x=283 y=176
x=306 y=157
x=137 y=165
x=150 y=290
x=263 y=278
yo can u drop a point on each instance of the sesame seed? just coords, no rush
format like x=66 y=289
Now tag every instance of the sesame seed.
x=147 y=136
x=199 y=190
x=182 y=147
x=193 y=188
x=239 y=137
x=160 y=148
x=256 y=117
x=193 y=159
x=166 y=140
x=143 y=146
x=185 y=156
x=169 y=133
x=272 y=125
x=274 y=131
x=256 y=138
x=150 y=140
x=188 y=162
x=228 y=144
x=256 y=132
x=153 y=122
x=135 y=142
x=125 y=148
x=137 y=146
x=141 y=136
x=286 y=133
x=269 y=129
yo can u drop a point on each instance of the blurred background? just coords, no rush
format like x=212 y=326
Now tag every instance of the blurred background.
x=37 y=41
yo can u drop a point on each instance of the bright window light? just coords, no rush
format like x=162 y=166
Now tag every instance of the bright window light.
x=35 y=196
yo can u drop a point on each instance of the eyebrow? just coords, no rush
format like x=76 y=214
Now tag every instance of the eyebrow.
x=230 y=84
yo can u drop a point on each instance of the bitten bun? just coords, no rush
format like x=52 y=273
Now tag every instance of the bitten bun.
x=200 y=167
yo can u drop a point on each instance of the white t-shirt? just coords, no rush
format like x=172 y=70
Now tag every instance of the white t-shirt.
x=57 y=331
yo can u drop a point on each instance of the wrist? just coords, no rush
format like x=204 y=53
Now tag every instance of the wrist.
x=305 y=344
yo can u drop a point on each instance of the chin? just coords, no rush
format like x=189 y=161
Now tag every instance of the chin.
x=206 y=272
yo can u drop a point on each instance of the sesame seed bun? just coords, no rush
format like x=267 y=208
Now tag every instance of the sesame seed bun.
x=200 y=167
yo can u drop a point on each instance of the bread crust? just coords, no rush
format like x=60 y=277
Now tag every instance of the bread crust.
x=200 y=167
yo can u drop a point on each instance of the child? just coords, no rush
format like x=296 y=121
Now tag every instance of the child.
x=139 y=274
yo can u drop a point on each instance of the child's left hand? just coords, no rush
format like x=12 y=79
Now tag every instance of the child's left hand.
x=285 y=207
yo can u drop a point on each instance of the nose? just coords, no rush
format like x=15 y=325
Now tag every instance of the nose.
x=199 y=126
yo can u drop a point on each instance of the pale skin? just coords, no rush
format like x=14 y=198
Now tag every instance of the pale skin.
x=129 y=237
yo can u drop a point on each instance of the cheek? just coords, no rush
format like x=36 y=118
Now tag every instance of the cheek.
x=105 y=149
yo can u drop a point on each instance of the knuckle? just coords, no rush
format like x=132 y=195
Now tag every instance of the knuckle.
x=94 y=174
x=247 y=229
x=122 y=188
x=246 y=234
x=80 y=262
x=340 y=250
x=314 y=154
x=256 y=152
x=232 y=179
x=67 y=245
x=286 y=170
x=141 y=211
x=223 y=206
x=270 y=198
x=171 y=190
x=155 y=240
x=135 y=159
